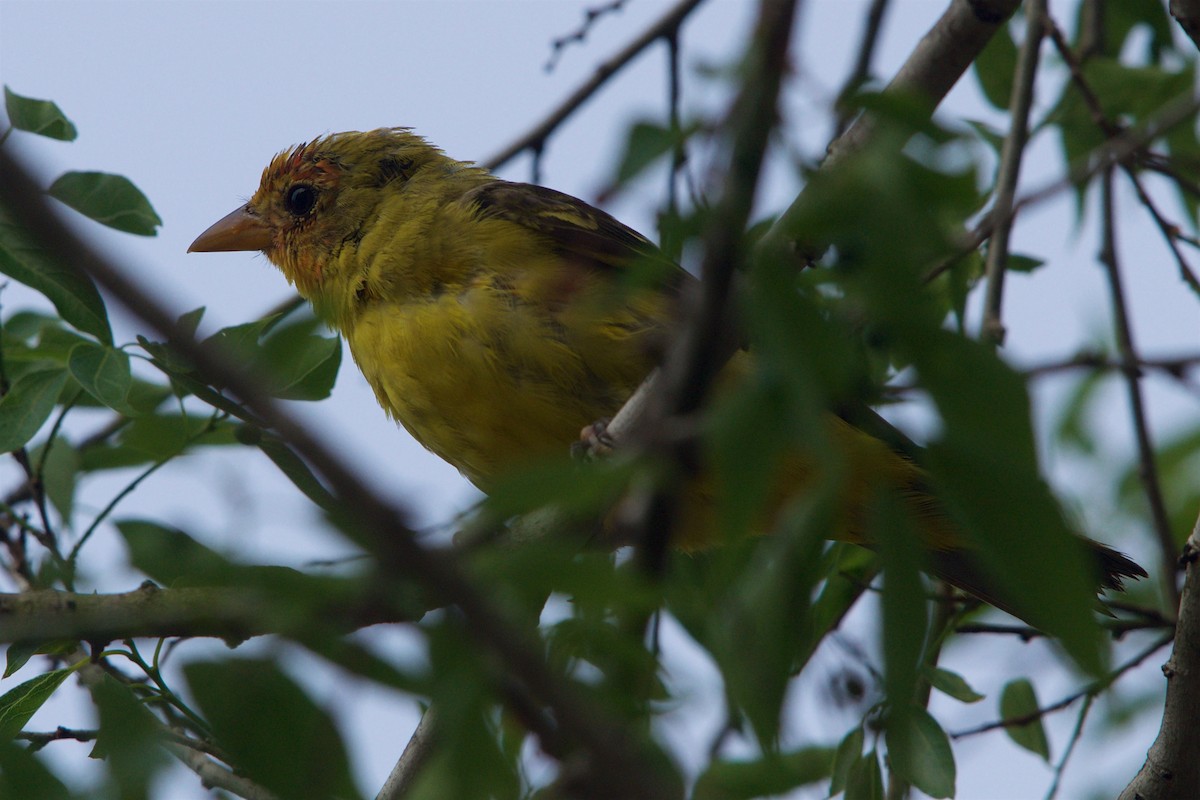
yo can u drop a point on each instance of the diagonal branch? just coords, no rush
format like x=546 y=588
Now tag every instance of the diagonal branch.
x=535 y=138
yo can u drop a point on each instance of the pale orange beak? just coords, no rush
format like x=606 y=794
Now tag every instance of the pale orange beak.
x=241 y=230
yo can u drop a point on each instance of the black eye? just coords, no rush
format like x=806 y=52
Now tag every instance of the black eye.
x=300 y=199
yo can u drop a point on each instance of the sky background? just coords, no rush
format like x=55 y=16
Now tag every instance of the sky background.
x=191 y=99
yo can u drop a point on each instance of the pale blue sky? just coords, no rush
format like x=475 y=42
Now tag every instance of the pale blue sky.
x=190 y=100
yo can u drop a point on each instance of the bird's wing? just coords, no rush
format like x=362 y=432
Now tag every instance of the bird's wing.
x=577 y=231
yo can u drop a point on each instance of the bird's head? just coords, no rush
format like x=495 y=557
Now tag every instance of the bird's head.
x=317 y=197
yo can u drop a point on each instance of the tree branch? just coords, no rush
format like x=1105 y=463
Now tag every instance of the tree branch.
x=227 y=612
x=1172 y=770
x=535 y=138
x=1010 y=169
x=935 y=65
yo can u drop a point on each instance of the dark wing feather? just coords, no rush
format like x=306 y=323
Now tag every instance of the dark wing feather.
x=577 y=231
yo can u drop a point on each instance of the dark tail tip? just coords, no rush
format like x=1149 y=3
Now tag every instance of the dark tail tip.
x=1115 y=567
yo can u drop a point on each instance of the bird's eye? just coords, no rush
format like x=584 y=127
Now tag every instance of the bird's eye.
x=300 y=199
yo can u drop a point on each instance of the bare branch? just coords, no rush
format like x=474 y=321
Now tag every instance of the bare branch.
x=1148 y=467
x=935 y=65
x=535 y=139
x=416 y=754
x=1010 y=168
x=227 y=612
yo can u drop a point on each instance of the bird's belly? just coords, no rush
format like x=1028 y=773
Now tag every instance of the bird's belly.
x=486 y=393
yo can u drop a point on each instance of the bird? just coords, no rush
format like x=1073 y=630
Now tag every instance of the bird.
x=495 y=320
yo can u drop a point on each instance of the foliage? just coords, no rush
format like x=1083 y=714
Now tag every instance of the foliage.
x=881 y=316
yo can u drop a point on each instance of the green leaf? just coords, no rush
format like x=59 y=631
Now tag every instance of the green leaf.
x=21 y=702
x=1019 y=701
x=995 y=67
x=1025 y=264
x=27 y=406
x=292 y=748
x=60 y=468
x=42 y=117
x=904 y=604
x=646 y=144
x=72 y=293
x=951 y=684
x=19 y=653
x=303 y=365
x=849 y=751
x=22 y=774
x=292 y=361
x=756 y=631
x=129 y=738
x=291 y=465
x=170 y=556
x=157 y=437
x=111 y=200
x=865 y=781
x=103 y=371
x=770 y=775
x=919 y=752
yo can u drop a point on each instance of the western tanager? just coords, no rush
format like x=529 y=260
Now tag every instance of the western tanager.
x=492 y=321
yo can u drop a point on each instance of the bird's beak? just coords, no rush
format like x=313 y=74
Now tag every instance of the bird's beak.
x=241 y=230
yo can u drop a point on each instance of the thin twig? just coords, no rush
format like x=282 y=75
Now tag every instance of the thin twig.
x=862 y=65
x=1147 y=465
x=590 y=17
x=1011 y=154
x=535 y=138
x=1091 y=690
x=414 y=758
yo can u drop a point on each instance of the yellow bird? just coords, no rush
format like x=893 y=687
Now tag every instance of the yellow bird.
x=495 y=320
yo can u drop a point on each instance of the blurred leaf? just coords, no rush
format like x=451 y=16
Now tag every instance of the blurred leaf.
x=42 y=117
x=23 y=775
x=469 y=760
x=1024 y=264
x=293 y=748
x=770 y=775
x=189 y=321
x=756 y=630
x=951 y=684
x=170 y=556
x=1073 y=422
x=1019 y=700
x=72 y=293
x=1128 y=15
x=904 y=603
x=27 y=406
x=848 y=753
x=647 y=142
x=157 y=437
x=919 y=751
x=986 y=470
x=21 y=702
x=865 y=780
x=103 y=371
x=291 y=465
x=59 y=472
x=129 y=739
x=111 y=200
x=995 y=66
x=19 y=653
